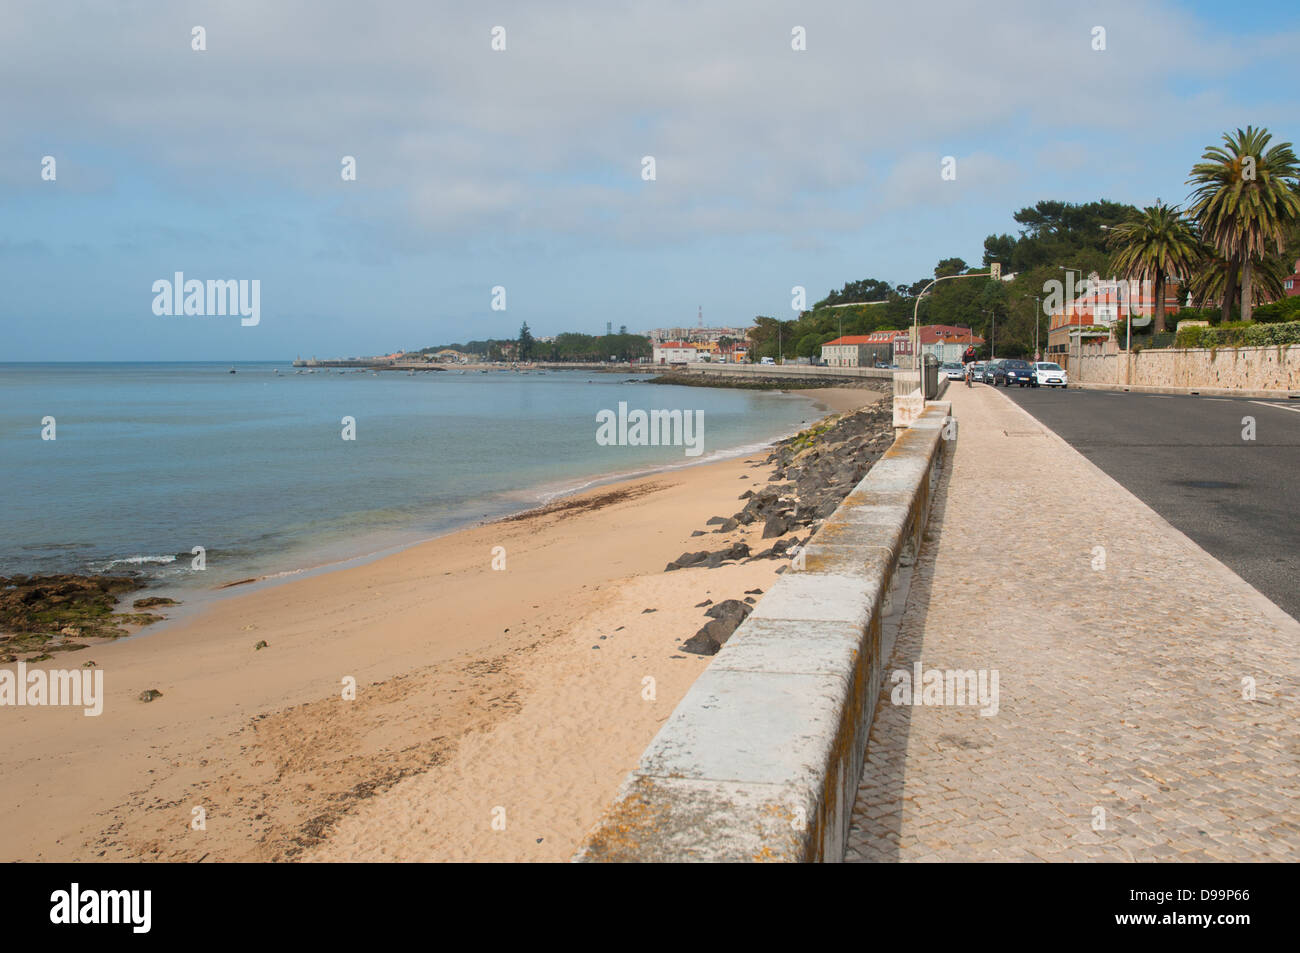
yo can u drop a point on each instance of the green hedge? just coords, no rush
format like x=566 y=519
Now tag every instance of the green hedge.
x=1239 y=334
x=1279 y=312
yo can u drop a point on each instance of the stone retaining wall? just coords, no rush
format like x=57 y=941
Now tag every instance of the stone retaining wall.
x=761 y=760
x=1226 y=368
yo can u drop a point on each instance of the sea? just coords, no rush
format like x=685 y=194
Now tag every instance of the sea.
x=192 y=477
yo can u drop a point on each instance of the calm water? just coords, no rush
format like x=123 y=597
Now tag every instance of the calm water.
x=152 y=460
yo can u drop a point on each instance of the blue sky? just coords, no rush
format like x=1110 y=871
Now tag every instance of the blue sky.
x=522 y=168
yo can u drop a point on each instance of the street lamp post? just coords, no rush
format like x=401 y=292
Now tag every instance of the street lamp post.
x=916 y=334
x=993 y=328
x=1037 y=306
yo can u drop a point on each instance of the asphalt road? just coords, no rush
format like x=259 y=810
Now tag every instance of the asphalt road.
x=1185 y=457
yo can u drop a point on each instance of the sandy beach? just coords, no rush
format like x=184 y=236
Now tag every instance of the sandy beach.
x=496 y=710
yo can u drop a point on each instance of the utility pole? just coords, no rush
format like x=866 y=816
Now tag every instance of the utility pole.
x=1037 y=318
x=993 y=331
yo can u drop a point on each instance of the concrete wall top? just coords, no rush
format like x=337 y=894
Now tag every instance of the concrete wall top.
x=760 y=760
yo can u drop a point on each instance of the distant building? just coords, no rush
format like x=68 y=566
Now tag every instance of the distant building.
x=1291 y=283
x=702 y=335
x=676 y=352
x=865 y=350
x=946 y=342
x=851 y=350
x=1099 y=303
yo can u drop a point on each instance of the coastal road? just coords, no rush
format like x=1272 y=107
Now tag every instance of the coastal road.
x=1186 y=458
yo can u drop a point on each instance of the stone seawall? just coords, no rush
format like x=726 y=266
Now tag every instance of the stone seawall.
x=1265 y=369
x=761 y=760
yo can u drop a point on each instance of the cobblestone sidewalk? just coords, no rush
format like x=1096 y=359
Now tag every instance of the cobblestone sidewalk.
x=1124 y=656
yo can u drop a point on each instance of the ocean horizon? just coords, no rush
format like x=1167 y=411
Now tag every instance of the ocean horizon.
x=150 y=460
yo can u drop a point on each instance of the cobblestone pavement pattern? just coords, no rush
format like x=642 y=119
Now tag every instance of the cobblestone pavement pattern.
x=1121 y=683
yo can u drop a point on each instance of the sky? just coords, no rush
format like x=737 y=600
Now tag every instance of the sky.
x=523 y=168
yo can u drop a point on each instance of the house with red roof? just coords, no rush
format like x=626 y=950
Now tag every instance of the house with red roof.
x=861 y=350
x=677 y=352
x=946 y=342
x=1291 y=283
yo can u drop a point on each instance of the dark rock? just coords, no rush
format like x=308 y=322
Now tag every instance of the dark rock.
x=152 y=601
x=715 y=521
x=706 y=602
x=646 y=611
x=702 y=642
x=150 y=694
x=707 y=559
x=698 y=532
x=729 y=609
x=725 y=617
x=728 y=526
x=746 y=495
x=776 y=526
x=754 y=592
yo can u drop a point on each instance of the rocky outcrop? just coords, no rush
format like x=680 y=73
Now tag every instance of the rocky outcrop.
x=39 y=613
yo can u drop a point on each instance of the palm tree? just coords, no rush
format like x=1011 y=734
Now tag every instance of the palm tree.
x=1244 y=201
x=1153 y=245
x=1211 y=278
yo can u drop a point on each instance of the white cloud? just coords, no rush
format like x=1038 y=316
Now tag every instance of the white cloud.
x=453 y=139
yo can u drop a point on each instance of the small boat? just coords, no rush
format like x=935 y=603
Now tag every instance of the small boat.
x=232 y=370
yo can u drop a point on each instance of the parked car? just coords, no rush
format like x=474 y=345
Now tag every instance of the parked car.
x=990 y=367
x=767 y=360
x=977 y=371
x=1051 y=375
x=954 y=372
x=1011 y=372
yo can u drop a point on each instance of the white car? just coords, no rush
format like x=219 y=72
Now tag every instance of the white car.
x=767 y=360
x=955 y=372
x=1050 y=375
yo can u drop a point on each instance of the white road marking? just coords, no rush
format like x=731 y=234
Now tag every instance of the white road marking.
x=1264 y=403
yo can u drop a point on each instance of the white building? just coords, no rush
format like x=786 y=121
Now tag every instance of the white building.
x=676 y=352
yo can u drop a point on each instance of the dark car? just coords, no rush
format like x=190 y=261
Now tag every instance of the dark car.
x=1014 y=372
x=987 y=371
